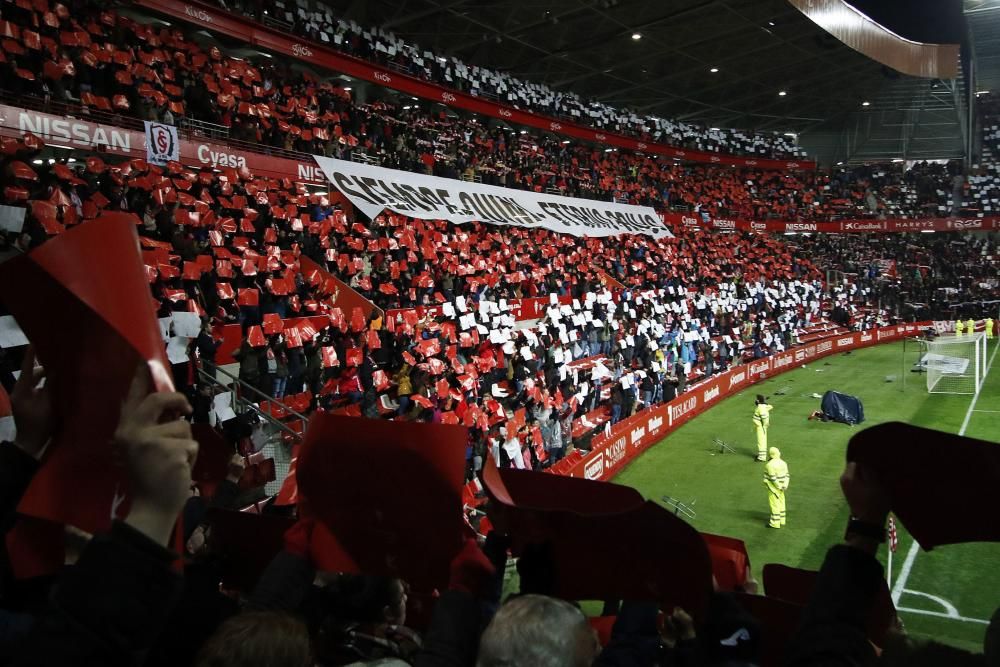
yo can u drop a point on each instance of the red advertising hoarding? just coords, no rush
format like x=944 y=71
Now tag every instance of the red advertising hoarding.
x=892 y=225
x=632 y=436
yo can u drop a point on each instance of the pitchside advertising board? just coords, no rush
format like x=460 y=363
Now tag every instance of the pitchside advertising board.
x=634 y=435
x=895 y=225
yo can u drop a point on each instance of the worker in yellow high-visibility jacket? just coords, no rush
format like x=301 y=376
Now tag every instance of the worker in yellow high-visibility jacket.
x=776 y=481
x=989 y=327
x=958 y=328
x=970 y=326
x=761 y=420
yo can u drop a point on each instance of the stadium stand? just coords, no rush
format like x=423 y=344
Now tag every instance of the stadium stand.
x=382 y=47
x=539 y=343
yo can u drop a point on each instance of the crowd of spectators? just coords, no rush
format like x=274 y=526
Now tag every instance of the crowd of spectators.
x=321 y=25
x=943 y=277
x=125 y=597
x=692 y=305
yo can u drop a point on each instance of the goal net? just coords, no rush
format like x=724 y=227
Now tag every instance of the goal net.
x=955 y=364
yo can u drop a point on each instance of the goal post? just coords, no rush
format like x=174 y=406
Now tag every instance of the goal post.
x=955 y=364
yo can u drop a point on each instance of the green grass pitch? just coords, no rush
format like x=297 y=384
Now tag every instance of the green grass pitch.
x=727 y=493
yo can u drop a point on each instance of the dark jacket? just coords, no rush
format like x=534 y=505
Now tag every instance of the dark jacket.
x=833 y=630
x=109 y=608
x=16 y=471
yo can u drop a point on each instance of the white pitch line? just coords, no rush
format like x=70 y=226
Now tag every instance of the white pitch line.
x=939 y=614
x=904 y=574
x=911 y=555
x=975 y=399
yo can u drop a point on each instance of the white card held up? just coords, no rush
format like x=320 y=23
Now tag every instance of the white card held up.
x=448 y=309
x=460 y=304
x=186 y=324
x=553 y=298
x=222 y=404
x=165 y=327
x=177 y=350
x=11 y=334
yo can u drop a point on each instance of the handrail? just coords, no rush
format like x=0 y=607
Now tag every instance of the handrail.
x=203 y=127
x=211 y=378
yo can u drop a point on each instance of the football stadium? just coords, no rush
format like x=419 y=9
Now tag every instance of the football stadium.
x=457 y=334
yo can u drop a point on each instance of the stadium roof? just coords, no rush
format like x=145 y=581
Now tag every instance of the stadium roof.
x=759 y=47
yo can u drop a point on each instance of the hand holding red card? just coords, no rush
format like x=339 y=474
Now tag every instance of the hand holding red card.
x=91 y=322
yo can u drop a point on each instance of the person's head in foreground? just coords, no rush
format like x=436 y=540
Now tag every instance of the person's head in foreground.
x=773 y=453
x=540 y=631
x=258 y=639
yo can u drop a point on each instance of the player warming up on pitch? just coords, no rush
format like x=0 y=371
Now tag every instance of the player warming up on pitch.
x=761 y=420
x=776 y=481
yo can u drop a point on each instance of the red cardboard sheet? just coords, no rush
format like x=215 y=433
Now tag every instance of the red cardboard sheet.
x=388 y=493
x=84 y=302
x=640 y=552
x=795 y=585
x=950 y=503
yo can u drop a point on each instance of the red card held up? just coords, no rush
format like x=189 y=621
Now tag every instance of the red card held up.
x=795 y=585
x=255 y=336
x=401 y=520
x=329 y=355
x=248 y=297
x=666 y=558
x=92 y=323
x=272 y=324
x=922 y=495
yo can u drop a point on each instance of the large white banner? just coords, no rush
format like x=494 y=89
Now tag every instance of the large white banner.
x=374 y=189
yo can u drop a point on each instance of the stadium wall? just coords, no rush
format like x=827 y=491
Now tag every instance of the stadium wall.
x=633 y=436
